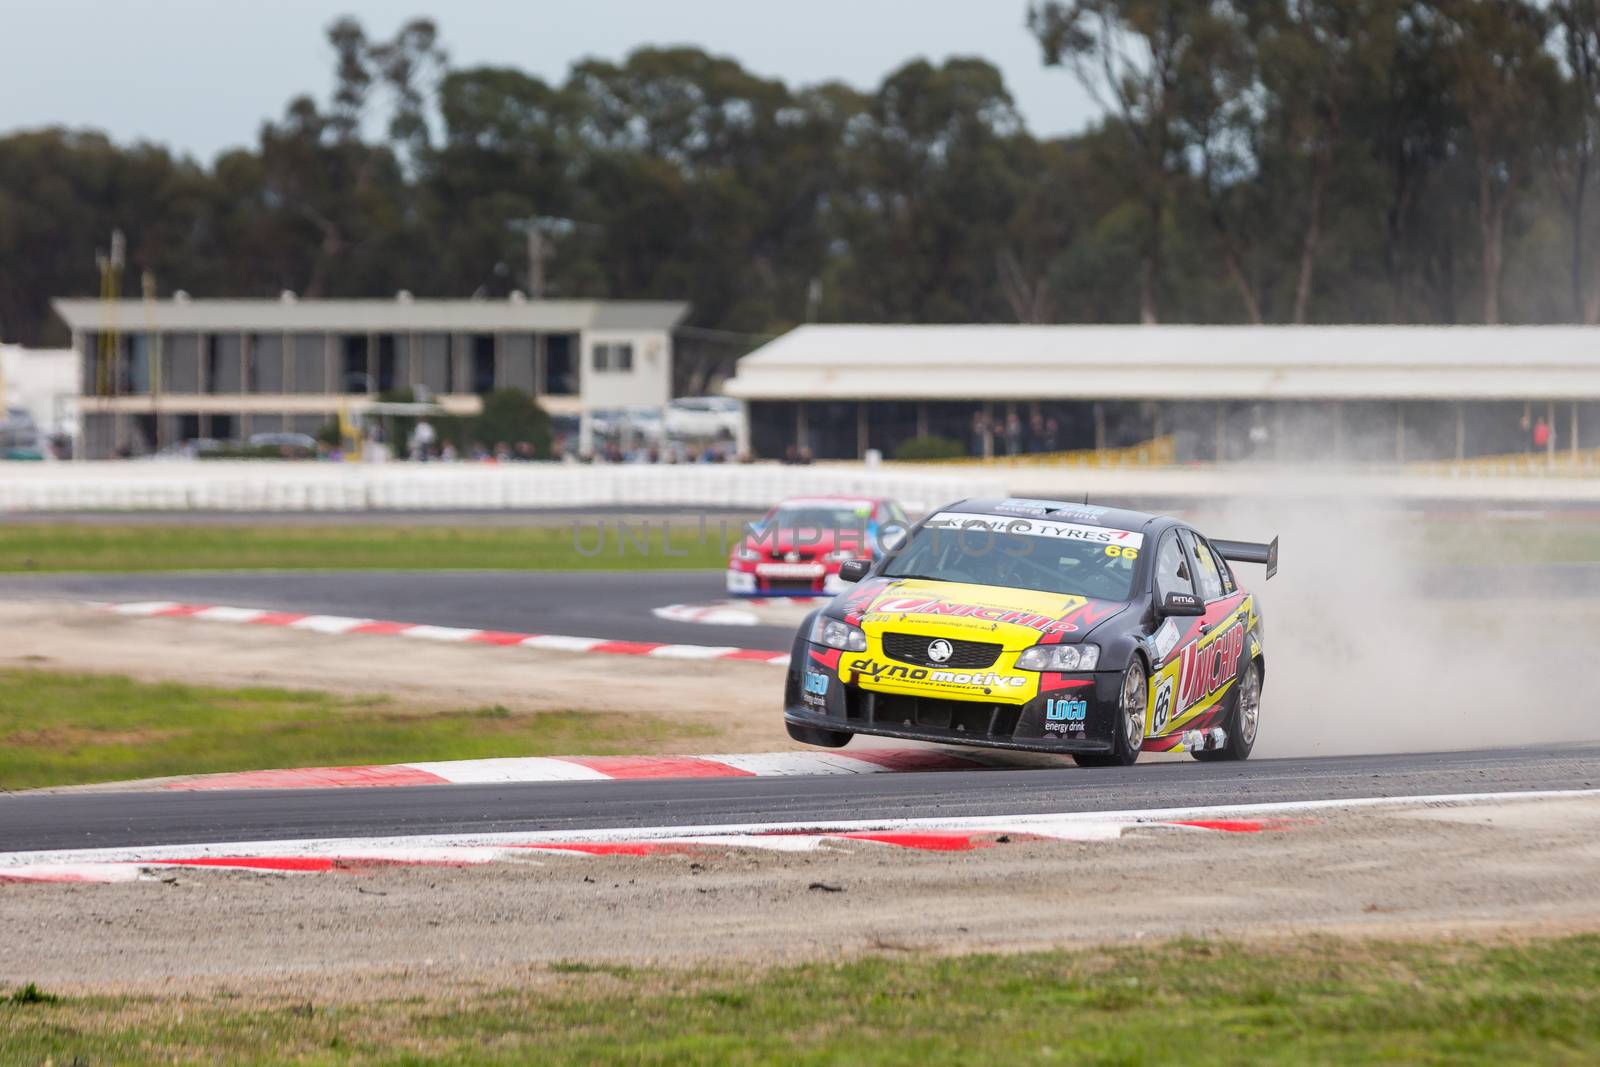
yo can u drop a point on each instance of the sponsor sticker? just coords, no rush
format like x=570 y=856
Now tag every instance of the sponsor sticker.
x=1161 y=706
x=816 y=683
x=1066 y=709
x=1205 y=670
x=871 y=670
x=956 y=522
x=895 y=604
x=1165 y=639
x=789 y=570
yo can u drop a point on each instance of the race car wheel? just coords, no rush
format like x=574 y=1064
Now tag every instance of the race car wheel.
x=1242 y=721
x=1129 y=739
x=816 y=735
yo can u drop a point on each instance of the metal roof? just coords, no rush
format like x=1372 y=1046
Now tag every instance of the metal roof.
x=1010 y=362
x=377 y=316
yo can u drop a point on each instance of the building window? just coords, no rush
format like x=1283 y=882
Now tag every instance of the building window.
x=613 y=358
x=560 y=366
x=354 y=376
x=390 y=376
x=483 y=362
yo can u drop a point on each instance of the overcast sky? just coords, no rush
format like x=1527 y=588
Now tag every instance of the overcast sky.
x=200 y=76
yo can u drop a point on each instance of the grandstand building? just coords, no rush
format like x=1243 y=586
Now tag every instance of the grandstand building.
x=1207 y=393
x=159 y=372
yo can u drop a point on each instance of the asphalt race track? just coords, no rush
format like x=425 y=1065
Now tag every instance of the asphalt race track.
x=608 y=605
x=92 y=820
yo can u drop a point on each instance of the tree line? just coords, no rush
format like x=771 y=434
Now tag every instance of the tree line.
x=1272 y=161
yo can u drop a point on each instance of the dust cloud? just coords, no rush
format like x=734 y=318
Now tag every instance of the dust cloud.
x=1375 y=644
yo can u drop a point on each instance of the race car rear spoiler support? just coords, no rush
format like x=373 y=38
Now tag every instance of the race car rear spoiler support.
x=1250 y=552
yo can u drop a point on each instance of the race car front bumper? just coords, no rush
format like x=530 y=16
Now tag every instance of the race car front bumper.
x=747 y=582
x=1080 y=717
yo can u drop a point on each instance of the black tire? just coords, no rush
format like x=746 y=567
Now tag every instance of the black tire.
x=1243 y=721
x=1131 y=709
x=816 y=735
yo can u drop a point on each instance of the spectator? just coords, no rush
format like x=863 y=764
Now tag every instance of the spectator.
x=502 y=453
x=1052 y=435
x=422 y=440
x=1541 y=435
x=448 y=454
x=525 y=452
x=1013 y=434
x=980 y=433
x=1036 y=434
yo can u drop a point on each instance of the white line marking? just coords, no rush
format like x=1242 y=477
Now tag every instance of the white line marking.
x=145 y=607
x=328 y=624
x=709 y=614
x=557 y=643
x=511 y=769
x=225 y=614
x=439 y=633
x=1060 y=824
x=691 y=651
x=784 y=764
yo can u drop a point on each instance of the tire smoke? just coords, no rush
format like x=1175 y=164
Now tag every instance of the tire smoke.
x=1375 y=645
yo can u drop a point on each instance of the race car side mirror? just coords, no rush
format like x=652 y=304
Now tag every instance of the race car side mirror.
x=853 y=570
x=1182 y=605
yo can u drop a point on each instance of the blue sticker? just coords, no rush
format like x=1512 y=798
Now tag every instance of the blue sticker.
x=1062 y=709
x=816 y=684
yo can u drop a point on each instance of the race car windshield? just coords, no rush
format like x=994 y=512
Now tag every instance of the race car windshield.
x=844 y=517
x=995 y=556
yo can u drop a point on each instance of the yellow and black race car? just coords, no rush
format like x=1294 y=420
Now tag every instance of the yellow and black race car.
x=1040 y=625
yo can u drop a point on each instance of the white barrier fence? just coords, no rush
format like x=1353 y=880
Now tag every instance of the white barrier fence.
x=273 y=486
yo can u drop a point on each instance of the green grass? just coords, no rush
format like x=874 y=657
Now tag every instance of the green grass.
x=595 y=544
x=1187 y=1002
x=67 y=729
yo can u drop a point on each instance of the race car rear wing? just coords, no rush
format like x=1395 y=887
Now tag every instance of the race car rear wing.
x=1250 y=552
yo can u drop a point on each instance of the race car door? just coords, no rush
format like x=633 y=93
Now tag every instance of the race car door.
x=1172 y=575
x=1209 y=662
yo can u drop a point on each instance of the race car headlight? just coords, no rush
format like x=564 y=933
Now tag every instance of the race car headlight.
x=836 y=634
x=746 y=553
x=839 y=555
x=1060 y=658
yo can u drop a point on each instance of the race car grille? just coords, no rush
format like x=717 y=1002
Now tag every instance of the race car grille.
x=964 y=655
x=953 y=718
x=775 y=586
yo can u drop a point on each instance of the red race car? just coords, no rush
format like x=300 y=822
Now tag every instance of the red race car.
x=796 y=548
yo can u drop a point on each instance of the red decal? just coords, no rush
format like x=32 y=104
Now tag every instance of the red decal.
x=617 y=848
x=922 y=839
x=657 y=767
x=278 y=618
x=314 y=778
x=497 y=637
x=828 y=659
x=385 y=628
x=626 y=648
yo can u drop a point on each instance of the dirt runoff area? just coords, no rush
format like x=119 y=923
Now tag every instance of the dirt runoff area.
x=1519 y=867
x=735 y=701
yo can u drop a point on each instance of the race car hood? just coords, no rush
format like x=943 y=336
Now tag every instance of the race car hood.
x=1016 y=618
